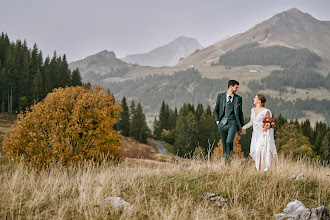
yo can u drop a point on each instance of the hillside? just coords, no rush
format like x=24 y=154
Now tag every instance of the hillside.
x=102 y=65
x=291 y=28
x=276 y=38
x=134 y=149
x=167 y=55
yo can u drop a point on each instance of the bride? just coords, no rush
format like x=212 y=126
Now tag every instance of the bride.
x=262 y=149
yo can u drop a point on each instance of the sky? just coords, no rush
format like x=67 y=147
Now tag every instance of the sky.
x=79 y=28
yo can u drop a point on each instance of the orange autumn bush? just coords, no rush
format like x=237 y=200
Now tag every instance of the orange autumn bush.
x=237 y=149
x=70 y=125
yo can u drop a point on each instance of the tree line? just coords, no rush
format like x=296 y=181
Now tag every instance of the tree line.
x=251 y=54
x=26 y=77
x=297 y=78
x=132 y=122
x=298 y=65
x=190 y=87
x=187 y=129
x=193 y=127
x=182 y=86
x=289 y=109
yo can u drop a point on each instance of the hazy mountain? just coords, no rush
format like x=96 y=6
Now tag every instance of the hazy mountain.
x=167 y=55
x=291 y=28
x=101 y=65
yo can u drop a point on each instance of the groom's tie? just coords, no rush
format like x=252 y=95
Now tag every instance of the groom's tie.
x=229 y=99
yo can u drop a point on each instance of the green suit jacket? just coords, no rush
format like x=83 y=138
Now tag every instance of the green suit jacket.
x=220 y=106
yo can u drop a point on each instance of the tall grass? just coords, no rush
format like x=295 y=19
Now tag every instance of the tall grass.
x=159 y=190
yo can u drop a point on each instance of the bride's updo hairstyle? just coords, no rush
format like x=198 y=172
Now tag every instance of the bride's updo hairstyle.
x=263 y=100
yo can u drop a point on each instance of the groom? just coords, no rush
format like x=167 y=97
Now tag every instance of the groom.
x=229 y=118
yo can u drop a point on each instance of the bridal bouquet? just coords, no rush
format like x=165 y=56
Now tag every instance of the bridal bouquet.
x=268 y=123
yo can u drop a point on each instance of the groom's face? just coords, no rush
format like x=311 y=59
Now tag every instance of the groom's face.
x=235 y=88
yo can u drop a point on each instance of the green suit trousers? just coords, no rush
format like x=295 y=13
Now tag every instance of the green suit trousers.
x=227 y=134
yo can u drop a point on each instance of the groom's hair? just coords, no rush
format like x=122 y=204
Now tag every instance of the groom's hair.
x=232 y=83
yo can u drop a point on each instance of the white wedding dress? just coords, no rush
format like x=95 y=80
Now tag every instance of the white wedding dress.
x=262 y=149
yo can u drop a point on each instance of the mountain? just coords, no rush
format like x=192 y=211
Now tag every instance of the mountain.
x=291 y=28
x=102 y=65
x=167 y=55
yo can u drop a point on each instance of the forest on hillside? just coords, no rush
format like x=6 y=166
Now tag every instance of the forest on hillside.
x=26 y=77
x=251 y=54
x=183 y=86
x=299 y=65
x=190 y=87
x=193 y=129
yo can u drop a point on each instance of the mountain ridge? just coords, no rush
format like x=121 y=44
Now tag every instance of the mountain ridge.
x=166 y=55
x=289 y=28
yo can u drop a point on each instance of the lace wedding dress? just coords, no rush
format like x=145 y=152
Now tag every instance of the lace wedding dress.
x=262 y=149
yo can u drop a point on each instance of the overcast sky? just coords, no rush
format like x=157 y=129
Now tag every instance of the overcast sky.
x=79 y=28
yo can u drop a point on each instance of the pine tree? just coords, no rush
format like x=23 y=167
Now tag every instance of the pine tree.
x=65 y=72
x=181 y=143
x=199 y=112
x=307 y=129
x=48 y=79
x=76 y=78
x=186 y=133
x=319 y=133
x=139 y=128
x=38 y=87
x=124 y=122
x=132 y=109
x=205 y=133
x=157 y=131
x=4 y=89
x=164 y=116
x=325 y=148
x=24 y=75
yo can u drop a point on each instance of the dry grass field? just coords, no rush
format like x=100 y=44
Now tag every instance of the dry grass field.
x=162 y=188
x=159 y=190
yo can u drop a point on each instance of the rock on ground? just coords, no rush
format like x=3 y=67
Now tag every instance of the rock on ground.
x=297 y=210
x=116 y=202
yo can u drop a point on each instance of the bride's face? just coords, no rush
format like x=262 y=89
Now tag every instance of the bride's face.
x=256 y=100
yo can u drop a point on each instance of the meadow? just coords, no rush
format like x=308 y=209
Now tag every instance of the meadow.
x=160 y=190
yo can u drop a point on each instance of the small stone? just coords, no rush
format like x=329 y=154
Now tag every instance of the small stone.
x=320 y=213
x=253 y=211
x=291 y=210
x=116 y=202
x=301 y=176
x=218 y=200
x=296 y=210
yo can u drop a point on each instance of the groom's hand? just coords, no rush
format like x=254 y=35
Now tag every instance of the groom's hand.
x=243 y=131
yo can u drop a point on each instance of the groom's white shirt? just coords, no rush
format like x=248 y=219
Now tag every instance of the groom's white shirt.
x=232 y=97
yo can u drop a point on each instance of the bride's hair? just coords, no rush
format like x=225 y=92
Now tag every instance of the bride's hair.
x=263 y=100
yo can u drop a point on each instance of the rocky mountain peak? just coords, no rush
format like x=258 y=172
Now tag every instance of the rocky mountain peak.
x=167 y=55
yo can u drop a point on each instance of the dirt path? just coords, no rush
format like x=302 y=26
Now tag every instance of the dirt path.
x=160 y=147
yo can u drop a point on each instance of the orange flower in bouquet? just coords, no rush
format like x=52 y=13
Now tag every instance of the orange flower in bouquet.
x=268 y=123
